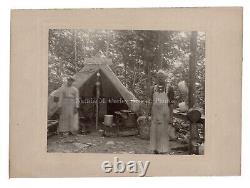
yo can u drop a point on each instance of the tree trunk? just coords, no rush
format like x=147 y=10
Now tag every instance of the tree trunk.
x=75 y=51
x=134 y=76
x=160 y=49
x=148 y=67
x=192 y=69
x=125 y=73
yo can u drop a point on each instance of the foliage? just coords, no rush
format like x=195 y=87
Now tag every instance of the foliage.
x=136 y=55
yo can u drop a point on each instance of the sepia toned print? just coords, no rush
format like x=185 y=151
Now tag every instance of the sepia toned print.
x=34 y=153
x=126 y=91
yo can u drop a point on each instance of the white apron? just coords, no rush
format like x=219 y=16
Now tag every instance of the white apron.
x=69 y=121
x=159 y=136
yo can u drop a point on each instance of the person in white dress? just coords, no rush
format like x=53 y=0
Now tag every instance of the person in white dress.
x=68 y=108
x=161 y=115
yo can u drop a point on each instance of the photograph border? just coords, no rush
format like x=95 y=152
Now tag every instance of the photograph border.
x=29 y=65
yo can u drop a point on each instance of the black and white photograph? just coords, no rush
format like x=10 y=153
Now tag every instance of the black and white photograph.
x=126 y=91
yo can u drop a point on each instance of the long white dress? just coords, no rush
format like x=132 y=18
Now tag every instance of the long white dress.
x=69 y=99
x=159 y=136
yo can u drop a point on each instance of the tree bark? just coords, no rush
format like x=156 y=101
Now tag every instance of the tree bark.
x=134 y=76
x=160 y=49
x=192 y=68
x=125 y=73
x=75 y=51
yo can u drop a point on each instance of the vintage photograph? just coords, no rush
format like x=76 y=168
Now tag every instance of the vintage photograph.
x=126 y=91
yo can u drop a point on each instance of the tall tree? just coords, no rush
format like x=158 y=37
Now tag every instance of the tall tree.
x=192 y=68
x=142 y=52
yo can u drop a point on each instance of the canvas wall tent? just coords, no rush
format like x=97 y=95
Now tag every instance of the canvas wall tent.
x=111 y=86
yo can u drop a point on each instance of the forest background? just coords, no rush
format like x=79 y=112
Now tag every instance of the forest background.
x=136 y=57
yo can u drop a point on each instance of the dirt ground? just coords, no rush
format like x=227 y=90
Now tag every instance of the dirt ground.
x=94 y=143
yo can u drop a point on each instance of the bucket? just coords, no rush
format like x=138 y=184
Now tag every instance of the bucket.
x=108 y=120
